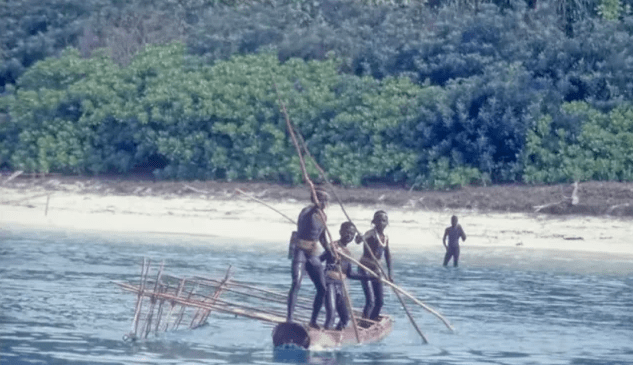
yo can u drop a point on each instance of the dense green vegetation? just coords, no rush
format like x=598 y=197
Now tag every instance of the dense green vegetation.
x=415 y=93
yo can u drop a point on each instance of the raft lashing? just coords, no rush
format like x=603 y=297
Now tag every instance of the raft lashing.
x=167 y=303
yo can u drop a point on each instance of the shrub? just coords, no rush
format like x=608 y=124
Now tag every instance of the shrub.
x=603 y=150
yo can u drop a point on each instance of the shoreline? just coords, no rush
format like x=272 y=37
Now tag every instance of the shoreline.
x=236 y=217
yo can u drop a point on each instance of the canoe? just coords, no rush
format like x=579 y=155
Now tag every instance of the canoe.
x=166 y=302
x=294 y=334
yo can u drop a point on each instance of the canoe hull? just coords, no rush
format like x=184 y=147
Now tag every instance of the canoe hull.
x=313 y=339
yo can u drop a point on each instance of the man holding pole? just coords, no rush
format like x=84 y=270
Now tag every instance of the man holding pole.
x=376 y=243
x=338 y=269
x=310 y=230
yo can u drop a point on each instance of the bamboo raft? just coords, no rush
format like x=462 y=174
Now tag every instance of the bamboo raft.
x=168 y=303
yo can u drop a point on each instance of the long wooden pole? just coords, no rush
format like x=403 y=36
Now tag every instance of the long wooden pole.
x=202 y=303
x=217 y=293
x=159 y=311
x=269 y=293
x=182 y=310
x=266 y=298
x=255 y=314
x=261 y=202
x=303 y=302
x=150 y=314
x=400 y=290
x=181 y=285
x=306 y=177
x=219 y=304
x=139 y=302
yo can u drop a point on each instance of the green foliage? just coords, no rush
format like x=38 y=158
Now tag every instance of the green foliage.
x=399 y=92
x=602 y=151
x=222 y=121
x=443 y=176
x=63 y=110
x=610 y=9
x=359 y=140
x=33 y=30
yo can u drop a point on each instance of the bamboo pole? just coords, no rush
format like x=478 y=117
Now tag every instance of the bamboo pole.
x=229 y=287
x=261 y=202
x=159 y=312
x=139 y=302
x=224 y=307
x=150 y=313
x=268 y=299
x=217 y=293
x=193 y=301
x=181 y=285
x=306 y=177
x=219 y=304
x=227 y=303
x=255 y=314
x=182 y=310
x=246 y=286
x=268 y=292
x=400 y=290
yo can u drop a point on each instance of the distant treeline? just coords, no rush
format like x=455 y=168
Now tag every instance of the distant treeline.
x=424 y=94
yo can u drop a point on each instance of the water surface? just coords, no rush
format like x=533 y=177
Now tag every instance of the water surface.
x=59 y=305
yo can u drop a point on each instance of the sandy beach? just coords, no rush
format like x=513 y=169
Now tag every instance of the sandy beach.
x=67 y=206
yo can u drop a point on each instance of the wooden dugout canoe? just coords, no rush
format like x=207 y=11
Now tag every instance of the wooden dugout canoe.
x=285 y=334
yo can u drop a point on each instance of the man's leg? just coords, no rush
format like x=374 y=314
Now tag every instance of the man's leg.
x=315 y=271
x=297 y=269
x=341 y=308
x=447 y=256
x=369 y=295
x=379 y=295
x=455 y=256
x=330 y=304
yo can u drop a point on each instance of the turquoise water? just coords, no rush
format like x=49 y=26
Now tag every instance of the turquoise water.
x=59 y=305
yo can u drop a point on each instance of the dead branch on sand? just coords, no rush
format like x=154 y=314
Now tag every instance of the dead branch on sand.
x=573 y=200
x=199 y=191
x=617 y=206
x=13 y=176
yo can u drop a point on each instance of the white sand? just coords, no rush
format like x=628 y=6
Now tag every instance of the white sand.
x=410 y=229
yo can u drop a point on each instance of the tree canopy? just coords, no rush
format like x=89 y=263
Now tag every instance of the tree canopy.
x=416 y=93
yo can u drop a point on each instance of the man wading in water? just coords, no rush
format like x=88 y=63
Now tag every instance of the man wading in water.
x=310 y=229
x=454 y=232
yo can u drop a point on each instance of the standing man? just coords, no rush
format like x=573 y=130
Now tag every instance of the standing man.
x=377 y=244
x=454 y=232
x=310 y=232
x=335 y=292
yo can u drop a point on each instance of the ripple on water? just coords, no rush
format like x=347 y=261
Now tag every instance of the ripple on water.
x=59 y=306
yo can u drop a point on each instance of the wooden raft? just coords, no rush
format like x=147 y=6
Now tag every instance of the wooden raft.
x=168 y=303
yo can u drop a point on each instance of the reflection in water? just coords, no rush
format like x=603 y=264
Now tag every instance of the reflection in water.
x=298 y=355
x=59 y=306
x=290 y=354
